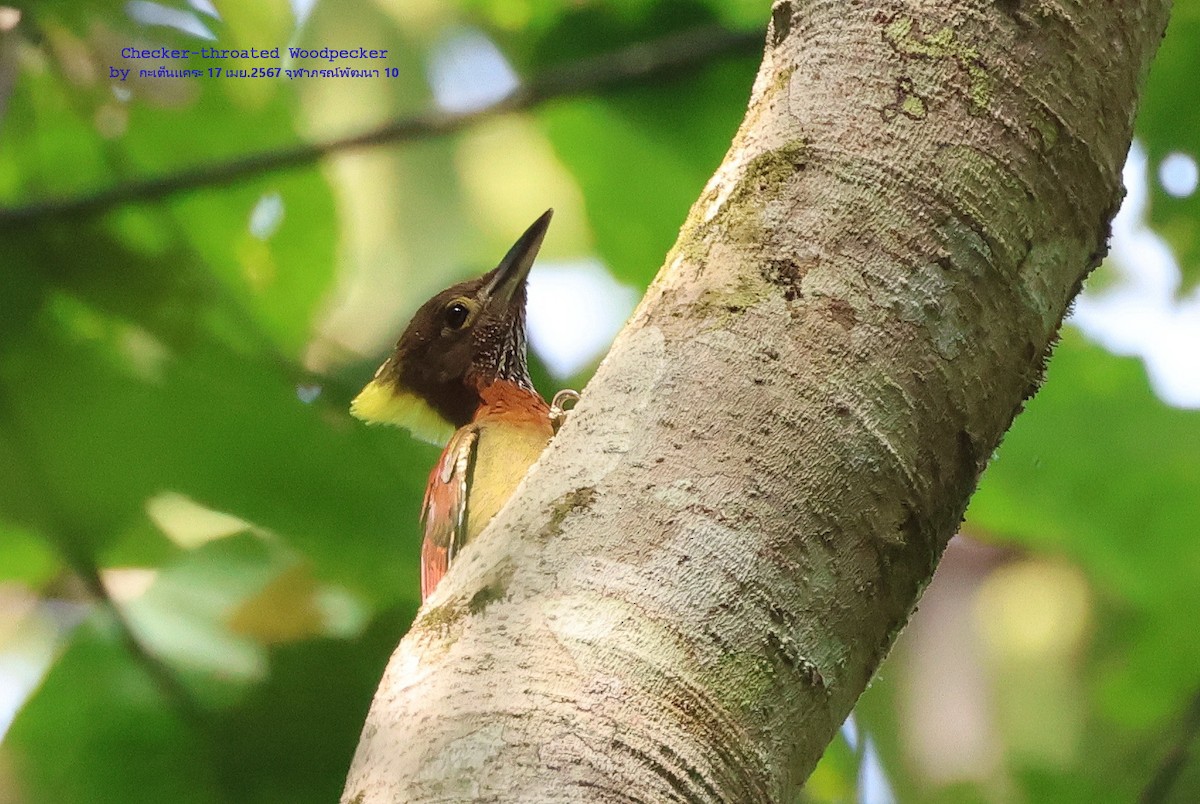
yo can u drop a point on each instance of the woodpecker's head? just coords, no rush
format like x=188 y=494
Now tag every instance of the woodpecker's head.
x=460 y=341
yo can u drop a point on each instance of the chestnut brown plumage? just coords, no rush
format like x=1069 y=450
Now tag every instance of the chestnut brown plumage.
x=460 y=372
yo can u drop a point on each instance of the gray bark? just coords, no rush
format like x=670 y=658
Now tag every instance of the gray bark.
x=696 y=582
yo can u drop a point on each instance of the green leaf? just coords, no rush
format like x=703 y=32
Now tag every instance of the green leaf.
x=229 y=432
x=641 y=170
x=25 y=556
x=291 y=738
x=1169 y=122
x=100 y=730
x=1101 y=471
x=281 y=278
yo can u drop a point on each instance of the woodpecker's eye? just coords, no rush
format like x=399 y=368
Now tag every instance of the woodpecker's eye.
x=457 y=315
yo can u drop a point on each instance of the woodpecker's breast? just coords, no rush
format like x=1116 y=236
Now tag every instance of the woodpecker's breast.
x=479 y=470
x=506 y=450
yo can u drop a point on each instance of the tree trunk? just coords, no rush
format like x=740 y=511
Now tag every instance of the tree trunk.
x=696 y=582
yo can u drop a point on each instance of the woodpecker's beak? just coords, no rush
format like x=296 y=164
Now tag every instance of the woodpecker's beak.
x=510 y=274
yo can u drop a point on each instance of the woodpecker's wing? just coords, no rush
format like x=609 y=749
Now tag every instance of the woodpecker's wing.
x=444 y=512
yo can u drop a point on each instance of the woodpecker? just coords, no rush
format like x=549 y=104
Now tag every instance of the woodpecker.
x=459 y=376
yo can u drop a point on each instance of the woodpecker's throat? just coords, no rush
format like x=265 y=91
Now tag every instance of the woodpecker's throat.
x=460 y=342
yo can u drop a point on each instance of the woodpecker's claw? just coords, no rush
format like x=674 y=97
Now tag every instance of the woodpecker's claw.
x=558 y=411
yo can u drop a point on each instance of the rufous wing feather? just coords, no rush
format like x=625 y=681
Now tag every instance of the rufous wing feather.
x=444 y=512
x=434 y=563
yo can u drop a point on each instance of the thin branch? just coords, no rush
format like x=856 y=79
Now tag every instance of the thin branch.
x=71 y=545
x=637 y=62
x=1160 y=785
x=159 y=672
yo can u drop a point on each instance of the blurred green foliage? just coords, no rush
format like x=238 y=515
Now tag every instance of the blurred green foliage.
x=174 y=384
x=1169 y=122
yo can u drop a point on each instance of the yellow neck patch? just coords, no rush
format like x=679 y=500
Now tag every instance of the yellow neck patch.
x=381 y=404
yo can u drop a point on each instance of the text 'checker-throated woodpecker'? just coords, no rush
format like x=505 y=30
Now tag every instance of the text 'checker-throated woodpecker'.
x=459 y=371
